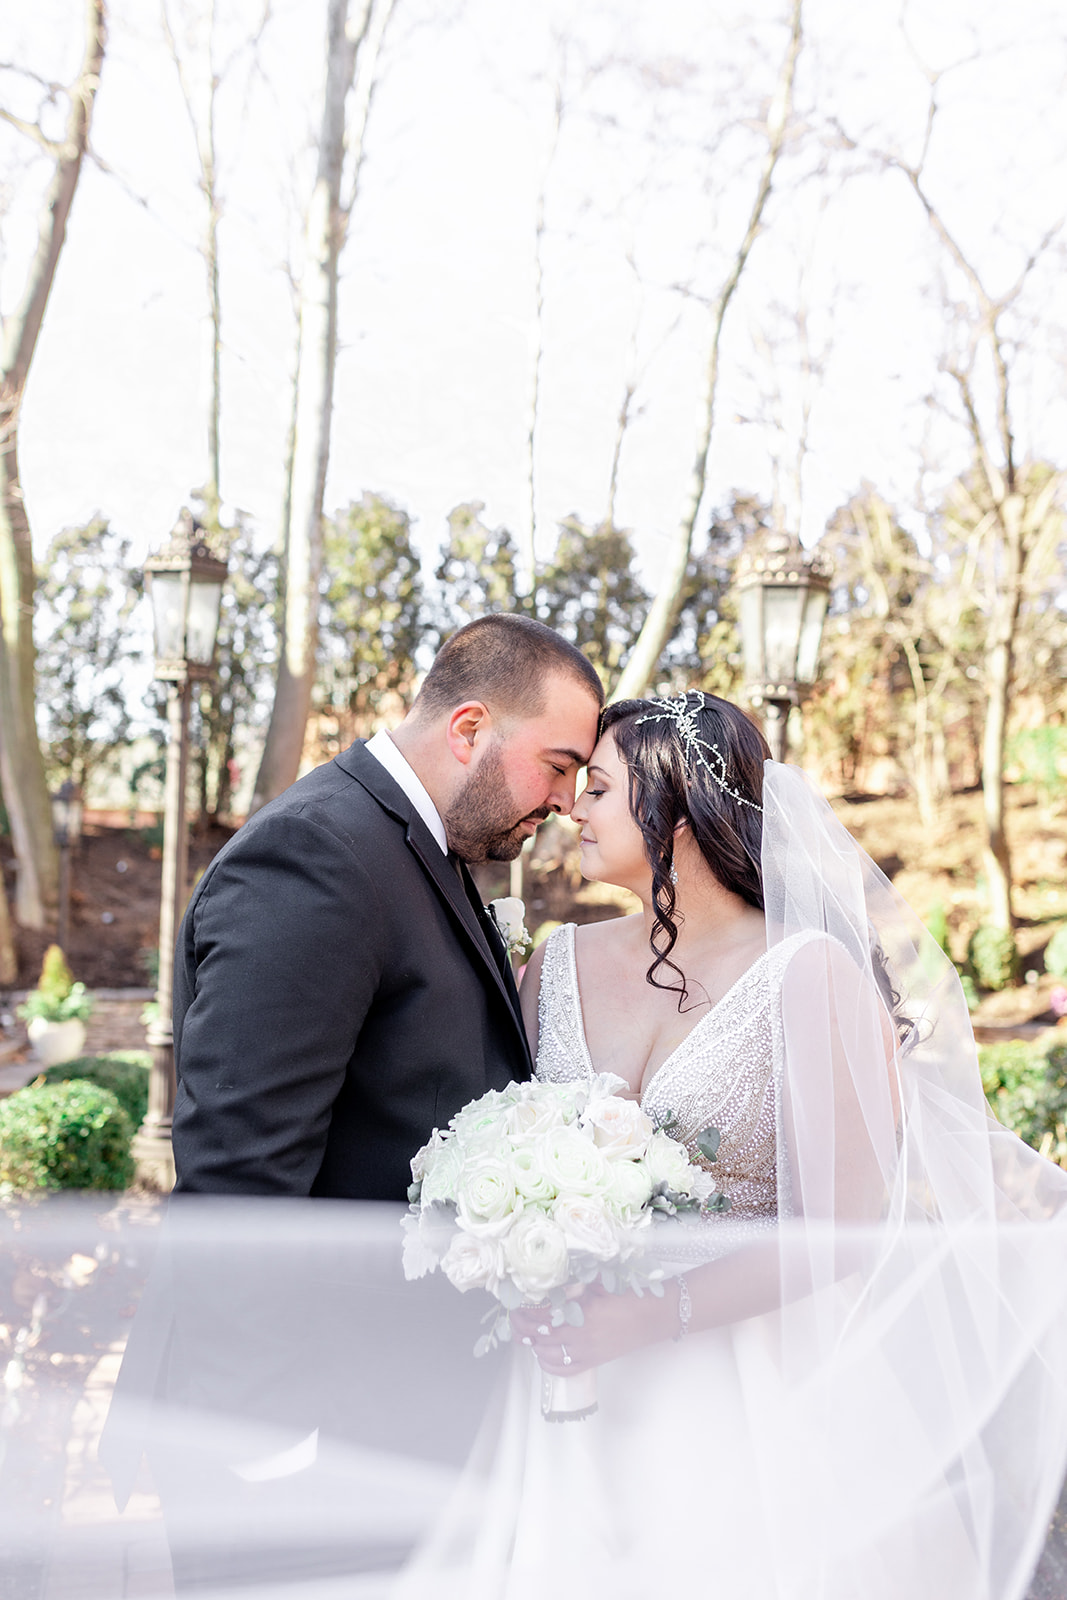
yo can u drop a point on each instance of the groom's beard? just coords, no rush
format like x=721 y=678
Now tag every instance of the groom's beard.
x=480 y=824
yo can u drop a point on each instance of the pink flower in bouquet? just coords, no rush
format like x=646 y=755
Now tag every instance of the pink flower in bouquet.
x=1058 y=1000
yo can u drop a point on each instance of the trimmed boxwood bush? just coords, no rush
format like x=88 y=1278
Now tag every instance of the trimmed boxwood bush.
x=993 y=957
x=1056 y=954
x=1026 y=1087
x=124 y=1072
x=65 y=1136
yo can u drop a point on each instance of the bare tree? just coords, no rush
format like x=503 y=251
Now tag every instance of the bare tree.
x=661 y=618
x=1010 y=511
x=22 y=775
x=529 y=576
x=351 y=43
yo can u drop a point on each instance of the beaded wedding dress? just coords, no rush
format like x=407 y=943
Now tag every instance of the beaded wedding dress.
x=881 y=1409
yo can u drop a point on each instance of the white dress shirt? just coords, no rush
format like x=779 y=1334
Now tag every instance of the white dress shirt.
x=382 y=748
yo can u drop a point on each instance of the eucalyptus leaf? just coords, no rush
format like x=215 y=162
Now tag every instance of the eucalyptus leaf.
x=414 y=1191
x=573 y=1314
x=708 y=1142
x=484 y=1344
x=718 y=1202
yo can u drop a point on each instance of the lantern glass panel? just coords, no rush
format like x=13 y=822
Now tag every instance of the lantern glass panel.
x=782 y=612
x=810 y=634
x=205 y=599
x=750 y=616
x=168 y=614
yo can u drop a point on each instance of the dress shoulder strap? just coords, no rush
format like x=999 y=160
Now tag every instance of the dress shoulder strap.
x=561 y=1050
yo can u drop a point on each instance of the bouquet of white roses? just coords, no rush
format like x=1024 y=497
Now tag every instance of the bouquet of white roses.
x=537 y=1189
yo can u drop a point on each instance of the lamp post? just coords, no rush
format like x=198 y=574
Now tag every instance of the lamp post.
x=185 y=584
x=784 y=591
x=66 y=828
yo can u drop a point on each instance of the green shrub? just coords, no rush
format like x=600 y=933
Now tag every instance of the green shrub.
x=970 y=991
x=123 y=1072
x=937 y=927
x=993 y=958
x=1056 y=953
x=57 y=998
x=65 y=1136
x=1007 y=1065
x=1026 y=1088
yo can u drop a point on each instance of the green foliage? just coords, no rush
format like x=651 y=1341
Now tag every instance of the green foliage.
x=970 y=991
x=56 y=980
x=937 y=927
x=992 y=957
x=65 y=1136
x=371 y=611
x=239 y=696
x=1027 y=1088
x=590 y=594
x=476 y=572
x=85 y=646
x=1056 y=953
x=57 y=998
x=124 y=1073
x=1040 y=756
x=705 y=651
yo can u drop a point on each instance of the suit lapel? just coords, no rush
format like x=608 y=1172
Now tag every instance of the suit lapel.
x=458 y=888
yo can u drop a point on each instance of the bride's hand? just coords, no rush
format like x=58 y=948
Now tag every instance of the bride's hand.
x=614 y=1325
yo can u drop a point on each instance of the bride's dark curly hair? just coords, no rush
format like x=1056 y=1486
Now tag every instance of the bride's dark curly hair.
x=666 y=789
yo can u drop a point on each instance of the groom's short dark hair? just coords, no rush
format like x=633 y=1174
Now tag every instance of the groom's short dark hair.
x=504 y=660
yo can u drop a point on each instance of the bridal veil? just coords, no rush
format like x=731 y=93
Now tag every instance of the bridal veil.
x=879 y=1410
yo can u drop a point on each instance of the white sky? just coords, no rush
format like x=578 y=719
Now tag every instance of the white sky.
x=434 y=375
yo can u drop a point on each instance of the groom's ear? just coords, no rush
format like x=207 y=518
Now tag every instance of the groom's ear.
x=467 y=726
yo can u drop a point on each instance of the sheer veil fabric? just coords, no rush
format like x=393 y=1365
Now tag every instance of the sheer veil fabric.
x=882 y=1407
x=879 y=1410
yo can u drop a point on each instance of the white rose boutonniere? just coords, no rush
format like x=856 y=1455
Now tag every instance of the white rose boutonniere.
x=509 y=914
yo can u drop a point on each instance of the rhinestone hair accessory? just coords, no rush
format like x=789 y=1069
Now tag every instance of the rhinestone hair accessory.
x=695 y=747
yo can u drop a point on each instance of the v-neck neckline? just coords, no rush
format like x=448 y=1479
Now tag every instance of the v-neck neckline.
x=667 y=1060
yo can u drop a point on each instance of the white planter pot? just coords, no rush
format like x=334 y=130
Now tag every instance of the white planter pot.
x=54 y=1042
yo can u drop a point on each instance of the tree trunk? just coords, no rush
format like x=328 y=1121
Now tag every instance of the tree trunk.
x=659 y=624
x=317 y=344
x=996 y=855
x=22 y=777
x=8 y=957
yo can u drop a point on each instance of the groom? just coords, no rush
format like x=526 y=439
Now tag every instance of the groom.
x=339 y=990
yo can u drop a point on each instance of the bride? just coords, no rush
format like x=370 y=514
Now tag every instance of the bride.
x=854 y=1383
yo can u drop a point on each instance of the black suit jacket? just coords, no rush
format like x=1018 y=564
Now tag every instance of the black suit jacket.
x=338 y=992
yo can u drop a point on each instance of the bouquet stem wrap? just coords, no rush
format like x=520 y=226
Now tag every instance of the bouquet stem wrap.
x=568 y=1399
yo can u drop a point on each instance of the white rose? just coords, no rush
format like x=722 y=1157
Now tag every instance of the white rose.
x=509 y=914
x=629 y=1187
x=529 y=1177
x=666 y=1162
x=473 y=1262
x=572 y=1162
x=487 y=1198
x=482 y=1120
x=620 y=1127
x=586 y=1226
x=536 y=1254
x=531 y=1117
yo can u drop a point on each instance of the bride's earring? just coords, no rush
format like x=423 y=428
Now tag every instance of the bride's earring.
x=673 y=874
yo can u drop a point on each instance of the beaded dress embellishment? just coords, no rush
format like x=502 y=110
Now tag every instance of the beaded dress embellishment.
x=722 y=1072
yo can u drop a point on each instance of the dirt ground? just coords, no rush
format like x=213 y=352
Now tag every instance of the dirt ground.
x=116 y=873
